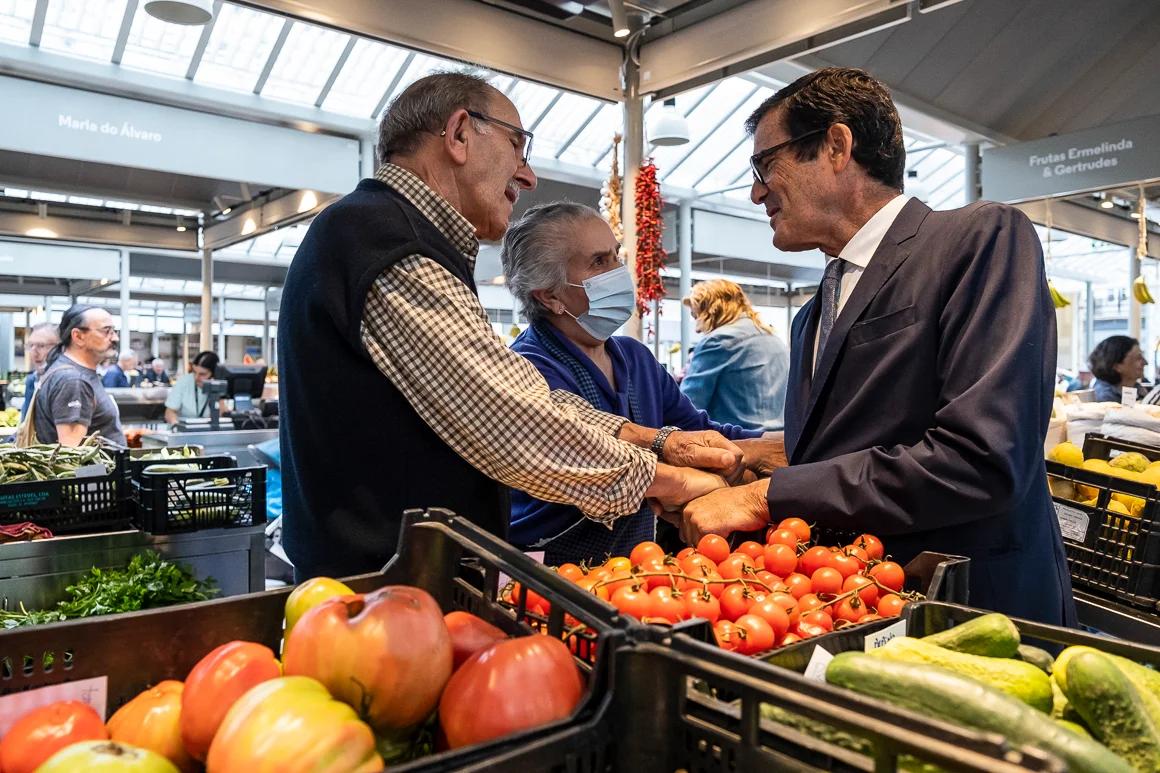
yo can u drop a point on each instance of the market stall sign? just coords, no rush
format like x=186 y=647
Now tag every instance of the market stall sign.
x=1089 y=160
x=36 y=498
x=1073 y=522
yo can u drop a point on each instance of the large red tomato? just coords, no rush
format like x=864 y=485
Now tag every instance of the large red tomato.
x=387 y=653
x=219 y=679
x=292 y=725
x=469 y=634
x=152 y=721
x=43 y=732
x=106 y=757
x=514 y=685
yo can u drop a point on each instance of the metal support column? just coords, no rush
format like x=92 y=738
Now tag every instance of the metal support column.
x=1089 y=321
x=266 y=328
x=155 y=348
x=1133 y=304
x=971 y=187
x=206 y=298
x=221 y=341
x=685 y=255
x=124 y=287
x=633 y=155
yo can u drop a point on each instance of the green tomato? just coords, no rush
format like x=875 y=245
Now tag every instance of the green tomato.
x=106 y=757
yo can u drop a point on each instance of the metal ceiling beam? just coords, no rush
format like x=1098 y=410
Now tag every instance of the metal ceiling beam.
x=473 y=32
x=725 y=117
x=97 y=232
x=38 y=17
x=273 y=57
x=547 y=109
x=203 y=41
x=756 y=34
x=47 y=67
x=393 y=85
x=334 y=72
x=188 y=267
x=97 y=192
x=724 y=158
x=579 y=130
x=123 y=33
x=1091 y=222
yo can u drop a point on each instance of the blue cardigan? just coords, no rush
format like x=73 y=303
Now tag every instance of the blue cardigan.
x=738 y=374
x=645 y=394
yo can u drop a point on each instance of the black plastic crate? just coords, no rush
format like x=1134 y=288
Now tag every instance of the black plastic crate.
x=458 y=563
x=70 y=505
x=136 y=464
x=217 y=494
x=1110 y=553
x=670 y=716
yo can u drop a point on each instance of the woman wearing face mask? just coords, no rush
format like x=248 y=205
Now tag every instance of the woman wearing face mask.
x=185 y=400
x=561 y=263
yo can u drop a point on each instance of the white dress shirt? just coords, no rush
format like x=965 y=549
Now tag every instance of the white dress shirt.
x=858 y=252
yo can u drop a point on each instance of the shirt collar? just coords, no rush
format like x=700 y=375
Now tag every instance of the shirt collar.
x=861 y=248
x=458 y=230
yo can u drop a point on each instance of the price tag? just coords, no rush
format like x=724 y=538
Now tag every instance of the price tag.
x=816 y=670
x=879 y=638
x=93 y=692
x=1128 y=395
x=91 y=471
x=1073 y=522
x=535 y=555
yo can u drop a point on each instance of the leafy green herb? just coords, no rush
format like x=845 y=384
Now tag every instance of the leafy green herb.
x=149 y=581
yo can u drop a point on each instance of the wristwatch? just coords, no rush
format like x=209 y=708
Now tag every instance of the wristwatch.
x=658 y=444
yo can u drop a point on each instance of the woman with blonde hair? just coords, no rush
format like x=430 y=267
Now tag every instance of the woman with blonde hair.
x=739 y=369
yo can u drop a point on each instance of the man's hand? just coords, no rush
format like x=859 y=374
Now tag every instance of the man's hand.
x=722 y=512
x=674 y=486
x=763 y=455
x=706 y=449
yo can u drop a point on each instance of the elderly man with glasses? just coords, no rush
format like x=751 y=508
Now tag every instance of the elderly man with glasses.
x=395 y=392
x=37 y=345
x=71 y=403
x=923 y=370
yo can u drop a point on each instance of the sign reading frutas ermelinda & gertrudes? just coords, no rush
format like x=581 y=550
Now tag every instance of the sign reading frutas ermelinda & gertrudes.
x=1092 y=159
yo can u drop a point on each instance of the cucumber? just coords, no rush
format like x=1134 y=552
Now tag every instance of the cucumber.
x=937 y=692
x=993 y=635
x=1041 y=659
x=1074 y=727
x=1016 y=678
x=1145 y=680
x=1112 y=708
x=1059 y=704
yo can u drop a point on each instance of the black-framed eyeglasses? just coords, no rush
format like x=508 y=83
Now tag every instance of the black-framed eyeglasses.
x=526 y=135
x=758 y=161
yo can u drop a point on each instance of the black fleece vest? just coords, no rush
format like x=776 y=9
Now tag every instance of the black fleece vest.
x=355 y=454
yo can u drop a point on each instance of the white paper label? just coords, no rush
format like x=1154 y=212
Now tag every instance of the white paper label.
x=1073 y=522
x=879 y=638
x=93 y=692
x=1127 y=395
x=816 y=670
x=91 y=471
x=535 y=555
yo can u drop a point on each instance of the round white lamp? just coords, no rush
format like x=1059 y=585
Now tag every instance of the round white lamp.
x=668 y=127
x=180 y=11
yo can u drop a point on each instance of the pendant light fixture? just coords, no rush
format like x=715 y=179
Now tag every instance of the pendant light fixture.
x=668 y=127
x=189 y=12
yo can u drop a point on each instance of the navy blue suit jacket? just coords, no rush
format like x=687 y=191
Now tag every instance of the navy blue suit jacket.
x=924 y=421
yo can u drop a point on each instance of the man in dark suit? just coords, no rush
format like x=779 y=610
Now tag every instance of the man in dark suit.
x=921 y=373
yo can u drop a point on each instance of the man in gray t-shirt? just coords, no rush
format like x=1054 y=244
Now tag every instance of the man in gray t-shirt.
x=71 y=402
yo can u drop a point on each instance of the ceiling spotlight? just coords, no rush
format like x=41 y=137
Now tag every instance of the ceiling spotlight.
x=1107 y=203
x=41 y=233
x=1135 y=215
x=181 y=229
x=189 y=12
x=668 y=127
x=309 y=201
x=249 y=226
x=620 y=27
x=227 y=210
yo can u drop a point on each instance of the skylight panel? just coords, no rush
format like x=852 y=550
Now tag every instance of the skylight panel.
x=160 y=48
x=238 y=48
x=364 y=78
x=83 y=28
x=16 y=20
x=304 y=64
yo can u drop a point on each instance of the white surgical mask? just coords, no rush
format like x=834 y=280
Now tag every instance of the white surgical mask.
x=611 y=299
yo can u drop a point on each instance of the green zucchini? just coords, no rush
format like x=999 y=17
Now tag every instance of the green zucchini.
x=1041 y=659
x=993 y=635
x=1145 y=680
x=1112 y=708
x=1016 y=678
x=937 y=692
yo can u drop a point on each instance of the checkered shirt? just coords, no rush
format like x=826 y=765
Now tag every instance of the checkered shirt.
x=428 y=333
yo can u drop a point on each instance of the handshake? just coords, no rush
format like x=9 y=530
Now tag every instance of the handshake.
x=706 y=484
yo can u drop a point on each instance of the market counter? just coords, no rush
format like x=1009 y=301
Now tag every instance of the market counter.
x=36 y=573
x=235 y=442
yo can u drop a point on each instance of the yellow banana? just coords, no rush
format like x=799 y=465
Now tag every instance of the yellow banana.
x=1141 y=292
x=1058 y=299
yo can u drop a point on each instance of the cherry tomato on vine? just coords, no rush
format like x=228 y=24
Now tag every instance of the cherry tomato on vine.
x=756 y=634
x=659 y=572
x=890 y=605
x=570 y=572
x=632 y=601
x=773 y=613
x=826 y=580
x=810 y=602
x=798 y=584
x=852 y=610
x=798 y=527
x=703 y=604
x=735 y=601
x=867 y=590
x=590 y=584
x=685 y=553
x=788 y=603
x=735 y=566
x=889 y=574
x=715 y=547
x=872 y=545
x=666 y=605
x=780 y=559
x=618 y=564
x=726 y=634
x=751 y=549
x=781 y=537
x=814 y=559
x=645 y=550
x=848 y=566
x=817 y=617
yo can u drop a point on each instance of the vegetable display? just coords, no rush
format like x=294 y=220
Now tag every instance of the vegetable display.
x=51 y=462
x=757 y=597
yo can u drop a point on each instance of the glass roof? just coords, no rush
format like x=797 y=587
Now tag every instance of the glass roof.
x=247 y=50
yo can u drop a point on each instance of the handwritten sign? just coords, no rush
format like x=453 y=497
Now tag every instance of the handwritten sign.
x=879 y=638
x=94 y=692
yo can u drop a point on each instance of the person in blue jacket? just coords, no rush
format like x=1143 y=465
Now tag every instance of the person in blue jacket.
x=739 y=369
x=561 y=263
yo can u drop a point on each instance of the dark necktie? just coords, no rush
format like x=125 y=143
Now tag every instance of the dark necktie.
x=828 y=295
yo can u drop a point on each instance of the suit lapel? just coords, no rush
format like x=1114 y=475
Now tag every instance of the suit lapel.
x=889 y=256
x=800 y=368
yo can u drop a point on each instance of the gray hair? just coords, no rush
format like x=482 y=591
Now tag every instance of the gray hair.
x=536 y=249
x=425 y=106
x=45 y=327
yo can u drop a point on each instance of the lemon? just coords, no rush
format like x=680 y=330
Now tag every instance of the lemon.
x=1066 y=453
x=1089 y=502
x=1135 y=505
x=1097 y=465
x=1116 y=506
x=1151 y=476
x=1130 y=461
x=1084 y=493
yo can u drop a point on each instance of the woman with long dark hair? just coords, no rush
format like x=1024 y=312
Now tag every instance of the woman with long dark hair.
x=1116 y=362
x=186 y=399
x=71 y=403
